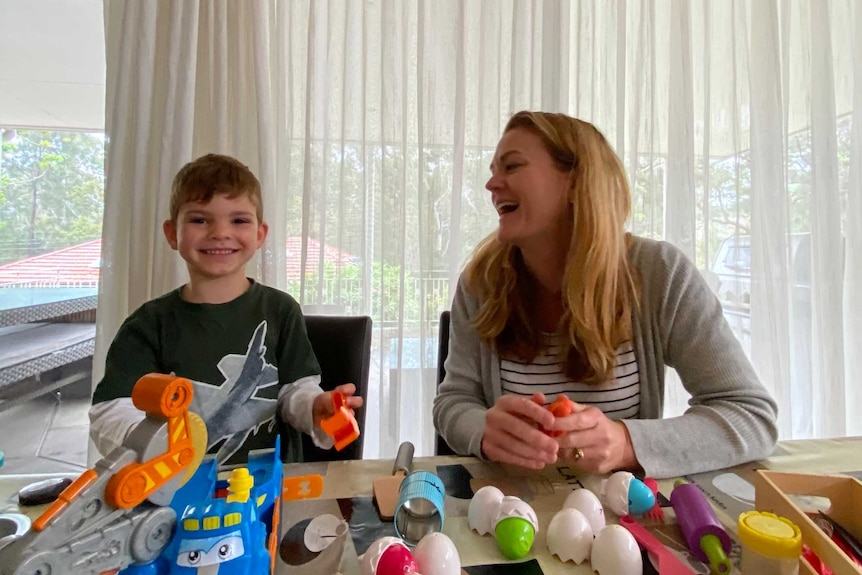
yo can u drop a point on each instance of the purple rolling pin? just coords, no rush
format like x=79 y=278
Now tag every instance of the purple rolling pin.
x=705 y=536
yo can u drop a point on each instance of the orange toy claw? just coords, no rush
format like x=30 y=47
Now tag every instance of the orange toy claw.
x=342 y=426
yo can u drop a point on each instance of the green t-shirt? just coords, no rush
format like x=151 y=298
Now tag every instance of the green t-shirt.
x=237 y=354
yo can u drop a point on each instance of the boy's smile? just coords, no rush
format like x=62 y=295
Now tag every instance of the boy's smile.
x=217 y=238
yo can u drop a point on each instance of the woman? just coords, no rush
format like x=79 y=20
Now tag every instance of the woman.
x=561 y=300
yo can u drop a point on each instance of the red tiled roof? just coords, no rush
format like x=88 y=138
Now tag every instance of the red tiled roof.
x=331 y=255
x=75 y=266
x=78 y=266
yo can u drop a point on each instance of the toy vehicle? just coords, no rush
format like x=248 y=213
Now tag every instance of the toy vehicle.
x=116 y=514
x=121 y=516
x=224 y=526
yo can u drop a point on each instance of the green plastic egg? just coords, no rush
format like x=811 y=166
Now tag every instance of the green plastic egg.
x=515 y=537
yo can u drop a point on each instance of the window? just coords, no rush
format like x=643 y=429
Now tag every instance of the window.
x=51 y=204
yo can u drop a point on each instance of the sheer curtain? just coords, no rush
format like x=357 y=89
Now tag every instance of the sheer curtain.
x=371 y=125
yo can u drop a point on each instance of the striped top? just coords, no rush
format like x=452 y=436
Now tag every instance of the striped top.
x=618 y=398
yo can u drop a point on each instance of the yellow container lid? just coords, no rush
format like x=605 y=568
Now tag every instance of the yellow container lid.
x=770 y=535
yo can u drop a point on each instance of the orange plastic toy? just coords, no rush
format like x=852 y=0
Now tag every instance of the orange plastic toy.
x=301 y=487
x=166 y=396
x=342 y=426
x=561 y=407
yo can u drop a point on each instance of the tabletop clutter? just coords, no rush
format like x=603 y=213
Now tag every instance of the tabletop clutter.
x=146 y=510
x=579 y=532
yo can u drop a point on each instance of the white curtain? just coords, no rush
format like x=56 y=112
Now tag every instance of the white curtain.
x=371 y=125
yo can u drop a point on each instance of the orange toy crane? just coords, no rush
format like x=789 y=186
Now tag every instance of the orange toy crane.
x=160 y=396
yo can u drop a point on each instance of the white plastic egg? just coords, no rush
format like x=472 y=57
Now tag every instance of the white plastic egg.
x=615 y=492
x=587 y=503
x=436 y=555
x=514 y=507
x=483 y=509
x=570 y=536
x=625 y=494
x=368 y=561
x=615 y=552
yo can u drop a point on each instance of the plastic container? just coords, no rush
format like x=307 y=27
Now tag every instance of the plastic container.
x=771 y=545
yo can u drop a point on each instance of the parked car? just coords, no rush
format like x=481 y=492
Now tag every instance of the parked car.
x=732 y=268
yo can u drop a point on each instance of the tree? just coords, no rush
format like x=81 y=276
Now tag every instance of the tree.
x=51 y=192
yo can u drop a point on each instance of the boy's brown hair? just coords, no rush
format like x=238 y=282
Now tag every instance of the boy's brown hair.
x=212 y=174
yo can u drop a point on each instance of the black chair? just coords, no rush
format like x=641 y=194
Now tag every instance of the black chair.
x=342 y=345
x=442 y=448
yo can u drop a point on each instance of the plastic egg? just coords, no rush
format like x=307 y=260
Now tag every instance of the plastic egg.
x=387 y=556
x=641 y=497
x=436 y=555
x=587 y=503
x=570 y=536
x=625 y=494
x=615 y=552
x=515 y=527
x=483 y=509
x=397 y=560
x=515 y=537
x=511 y=506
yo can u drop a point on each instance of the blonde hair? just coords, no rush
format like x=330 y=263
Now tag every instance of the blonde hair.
x=212 y=174
x=599 y=289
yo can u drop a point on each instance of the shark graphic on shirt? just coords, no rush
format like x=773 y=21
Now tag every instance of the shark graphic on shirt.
x=232 y=411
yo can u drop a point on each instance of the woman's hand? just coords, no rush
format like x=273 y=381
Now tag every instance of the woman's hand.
x=605 y=445
x=322 y=407
x=512 y=433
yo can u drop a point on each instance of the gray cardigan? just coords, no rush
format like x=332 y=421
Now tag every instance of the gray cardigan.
x=679 y=323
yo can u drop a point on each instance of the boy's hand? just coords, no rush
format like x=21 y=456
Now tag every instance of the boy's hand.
x=322 y=407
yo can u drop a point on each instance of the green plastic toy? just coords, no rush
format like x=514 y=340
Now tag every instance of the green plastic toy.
x=515 y=537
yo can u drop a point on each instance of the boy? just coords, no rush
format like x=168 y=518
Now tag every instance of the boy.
x=242 y=344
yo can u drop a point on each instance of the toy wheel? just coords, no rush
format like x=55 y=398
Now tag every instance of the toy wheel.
x=40 y=563
x=152 y=534
x=127 y=488
x=164 y=395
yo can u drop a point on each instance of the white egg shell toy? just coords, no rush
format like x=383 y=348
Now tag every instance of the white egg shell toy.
x=368 y=561
x=483 y=509
x=615 y=552
x=436 y=555
x=587 y=503
x=625 y=494
x=514 y=507
x=570 y=536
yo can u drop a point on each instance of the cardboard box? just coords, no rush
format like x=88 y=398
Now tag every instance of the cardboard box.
x=845 y=494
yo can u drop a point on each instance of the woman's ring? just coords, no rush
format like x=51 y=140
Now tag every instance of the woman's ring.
x=578 y=454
